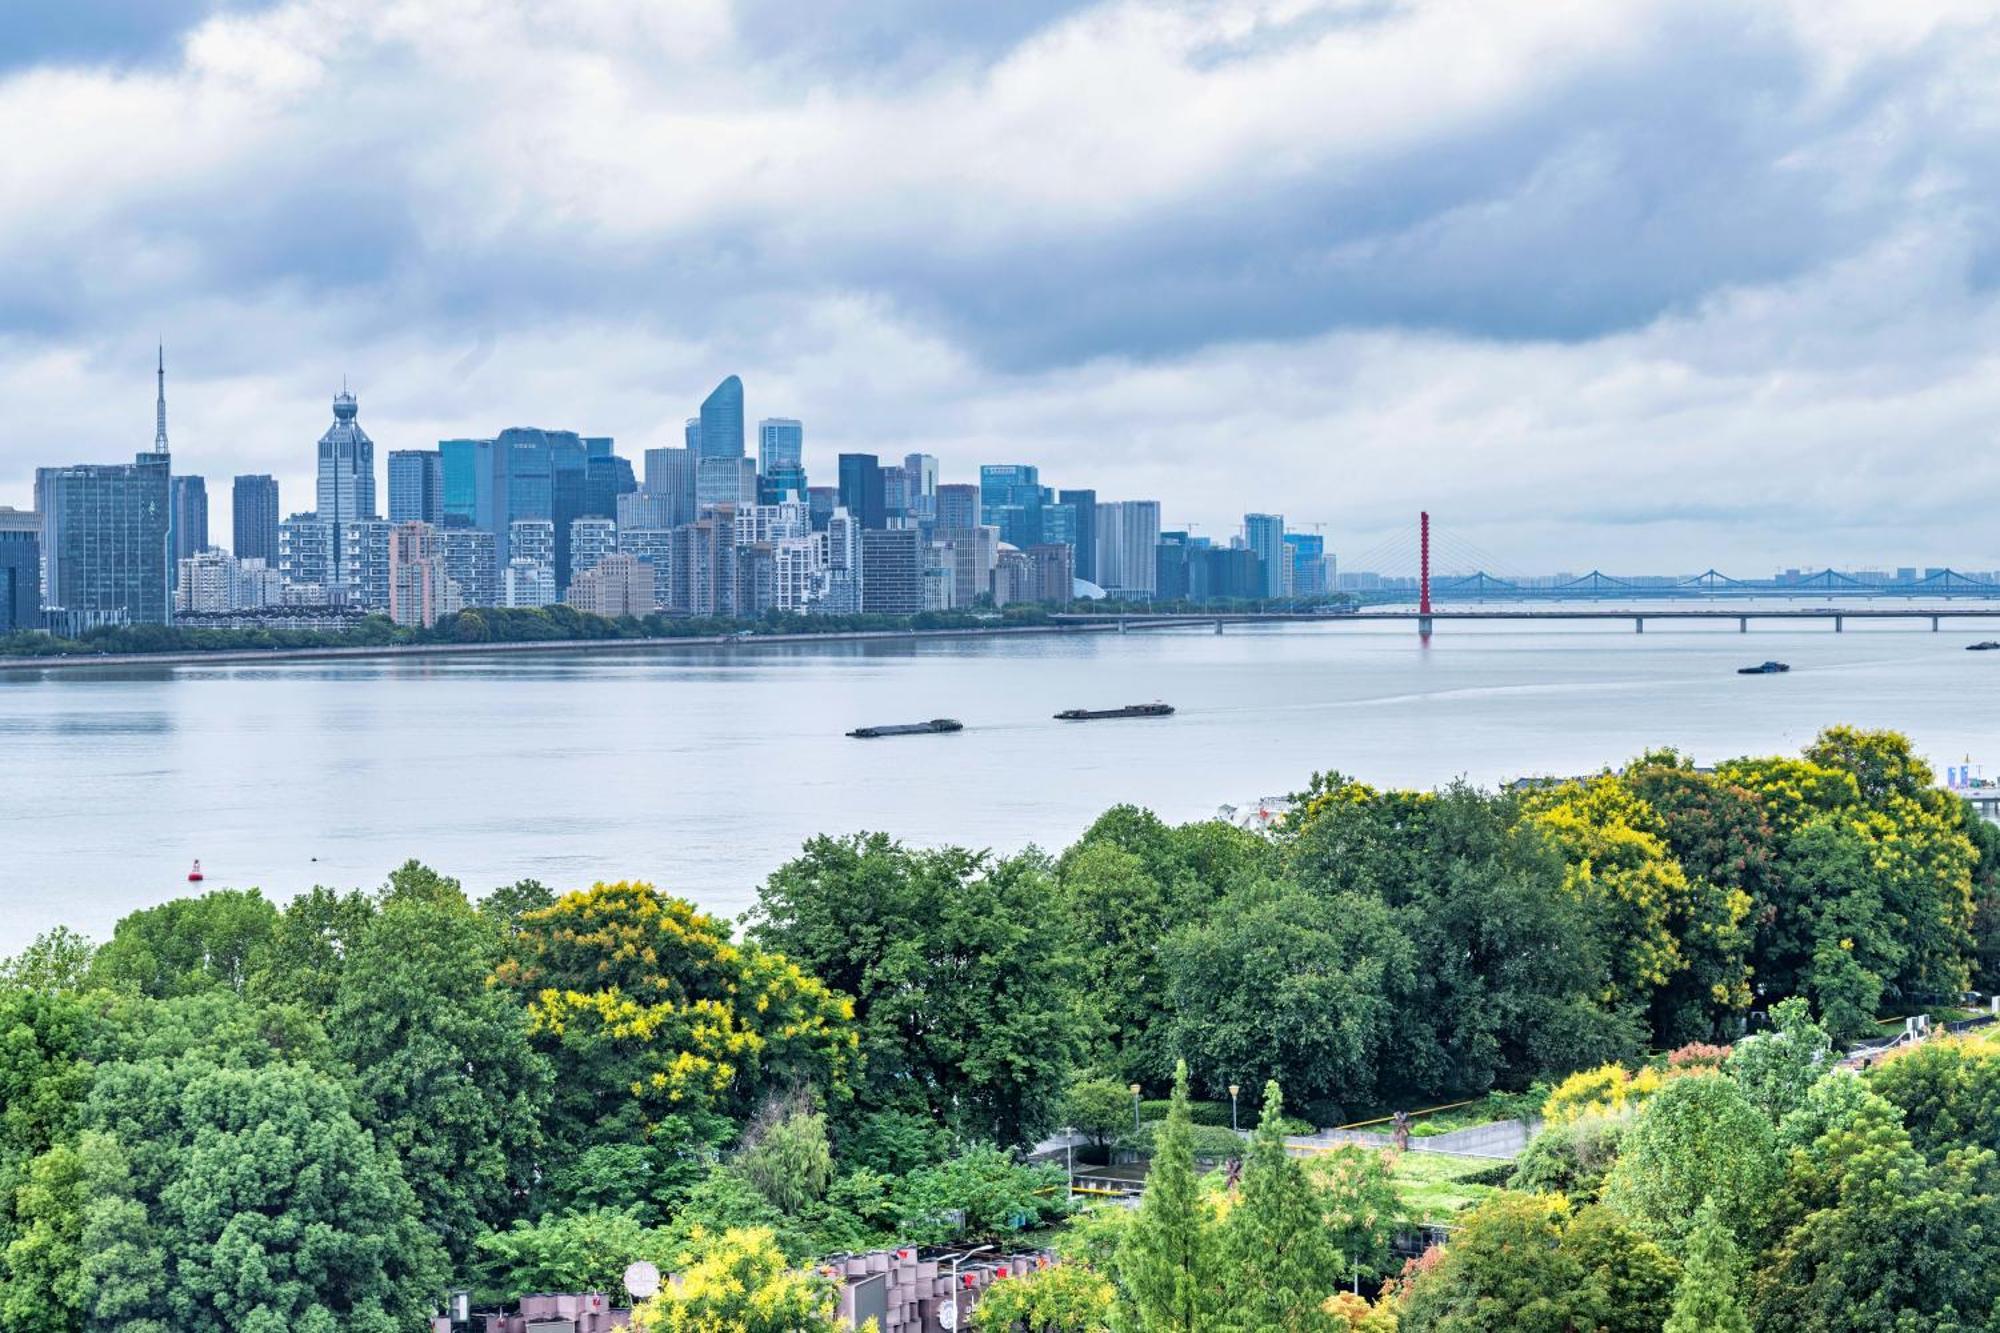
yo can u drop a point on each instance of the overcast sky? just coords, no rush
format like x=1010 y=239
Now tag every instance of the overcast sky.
x=1622 y=283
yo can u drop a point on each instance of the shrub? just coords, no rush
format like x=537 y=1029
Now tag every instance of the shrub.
x=1571 y=1158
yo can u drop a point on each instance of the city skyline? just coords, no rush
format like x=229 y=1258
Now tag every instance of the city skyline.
x=1469 y=261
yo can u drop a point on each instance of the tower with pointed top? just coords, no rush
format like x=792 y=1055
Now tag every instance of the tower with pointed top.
x=160 y=406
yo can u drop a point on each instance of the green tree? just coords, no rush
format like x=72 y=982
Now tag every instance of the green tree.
x=442 y=1062
x=1699 y=1140
x=1100 y=1107
x=740 y=1282
x=55 y=961
x=980 y=1195
x=1281 y=984
x=1949 y=1093
x=1169 y=1259
x=188 y=945
x=228 y=1199
x=581 y=1251
x=41 y=1268
x=1776 y=1068
x=309 y=944
x=1707 y=1299
x=1571 y=1158
x=1505 y=1271
x=962 y=971
x=1064 y=1298
x=1361 y=1209
x=786 y=1158
x=1278 y=1259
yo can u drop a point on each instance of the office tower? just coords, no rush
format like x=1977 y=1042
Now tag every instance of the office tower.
x=254 y=516
x=364 y=562
x=973 y=552
x=306 y=561
x=416 y=486
x=1265 y=534
x=346 y=490
x=618 y=585
x=892 y=571
x=922 y=471
x=724 y=481
x=642 y=509
x=607 y=478
x=958 y=506
x=861 y=489
x=105 y=541
x=590 y=540
x=1225 y=574
x=1083 y=504
x=1010 y=499
x=471 y=561
x=821 y=501
x=1170 y=567
x=1127 y=531
x=1059 y=523
x=896 y=497
x=720 y=431
x=20 y=569
x=528 y=583
x=416 y=575
x=1306 y=552
x=1052 y=572
x=187 y=518
x=781 y=469
x=691 y=436
x=670 y=475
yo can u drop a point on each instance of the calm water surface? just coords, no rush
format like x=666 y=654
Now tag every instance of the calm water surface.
x=702 y=770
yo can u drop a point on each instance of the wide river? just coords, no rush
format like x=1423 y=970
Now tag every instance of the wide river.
x=703 y=769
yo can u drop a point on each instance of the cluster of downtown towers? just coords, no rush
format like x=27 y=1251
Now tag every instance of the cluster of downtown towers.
x=533 y=516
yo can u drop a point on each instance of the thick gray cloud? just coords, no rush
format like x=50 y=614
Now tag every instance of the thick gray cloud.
x=1645 y=283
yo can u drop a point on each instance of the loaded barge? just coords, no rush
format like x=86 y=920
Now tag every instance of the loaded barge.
x=936 y=724
x=1129 y=710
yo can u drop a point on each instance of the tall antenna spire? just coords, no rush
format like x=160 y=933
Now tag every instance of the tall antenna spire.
x=160 y=407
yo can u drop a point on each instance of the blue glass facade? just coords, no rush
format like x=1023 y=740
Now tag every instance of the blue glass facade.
x=20 y=570
x=416 y=486
x=254 y=515
x=861 y=490
x=1265 y=534
x=721 y=432
x=781 y=471
x=105 y=540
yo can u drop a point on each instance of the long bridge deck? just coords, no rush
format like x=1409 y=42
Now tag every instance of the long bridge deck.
x=1839 y=615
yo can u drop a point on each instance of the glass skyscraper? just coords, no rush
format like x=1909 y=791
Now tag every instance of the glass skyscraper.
x=861 y=490
x=721 y=429
x=1084 y=531
x=346 y=491
x=105 y=533
x=1265 y=534
x=781 y=450
x=187 y=518
x=20 y=570
x=254 y=518
x=416 y=486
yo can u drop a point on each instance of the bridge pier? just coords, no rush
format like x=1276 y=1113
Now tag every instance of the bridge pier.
x=1218 y=627
x=1638 y=624
x=1839 y=624
x=1424 y=626
x=1934 y=624
x=1742 y=624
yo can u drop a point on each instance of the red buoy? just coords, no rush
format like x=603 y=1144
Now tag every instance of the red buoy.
x=194 y=876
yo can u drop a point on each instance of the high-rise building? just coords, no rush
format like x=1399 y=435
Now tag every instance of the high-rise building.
x=703 y=566
x=416 y=486
x=771 y=523
x=843 y=565
x=1083 y=505
x=821 y=501
x=655 y=546
x=364 y=562
x=1170 y=566
x=892 y=571
x=254 y=518
x=922 y=471
x=105 y=541
x=1052 y=572
x=528 y=583
x=1013 y=577
x=724 y=481
x=721 y=422
x=800 y=573
x=756 y=579
x=1011 y=499
x=20 y=569
x=618 y=585
x=781 y=468
x=896 y=497
x=861 y=489
x=1224 y=574
x=1265 y=534
x=187 y=517
x=213 y=582
x=591 y=539
x=1306 y=552
x=471 y=561
x=346 y=489
x=416 y=575
x=973 y=552
x=670 y=476
x=534 y=538
x=306 y=548
x=1127 y=531
x=524 y=472
x=643 y=509
x=607 y=478
x=958 y=506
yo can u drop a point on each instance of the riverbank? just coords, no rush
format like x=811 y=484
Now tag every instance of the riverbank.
x=366 y=652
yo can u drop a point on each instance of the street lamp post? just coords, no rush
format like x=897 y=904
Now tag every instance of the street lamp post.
x=954 y=1281
x=1135 y=1108
x=1234 y=1088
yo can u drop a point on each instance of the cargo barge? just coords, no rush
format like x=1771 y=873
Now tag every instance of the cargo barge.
x=1129 y=710
x=936 y=724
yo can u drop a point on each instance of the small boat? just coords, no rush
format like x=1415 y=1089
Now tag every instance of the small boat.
x=1129 y=710
x=1764 y=669
x=936 y=724
x=195 y=876
x=1984 y=646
